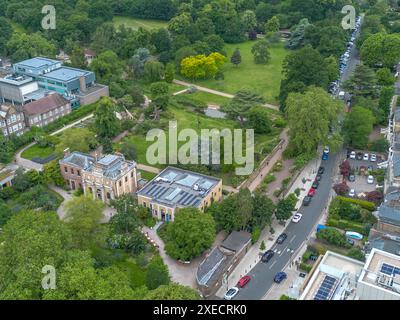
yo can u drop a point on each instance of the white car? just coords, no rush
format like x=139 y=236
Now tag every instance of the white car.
x=353 y=155
x=352 y=193
x=231 y=293
x=297 y=217
x=370 y=179
x=366 y=157
x=373 y=157
x=326 y=149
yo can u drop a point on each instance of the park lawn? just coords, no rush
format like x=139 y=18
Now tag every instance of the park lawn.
x=37 y=152
x=147 y=175
x=135 y=23
x=208 y=98
x=264 y=79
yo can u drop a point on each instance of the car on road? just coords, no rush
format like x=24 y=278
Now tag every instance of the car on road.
x=297 y=217
x=321 y=170
x=352 y=177
x=366 y=157
x=231 y=293
x=311 y=192
x=315 y=184
x=324 y=156
x=267 y=256
x=326 y=149
x=243 y=281
x=318 y=177
x=306 y=201
x=280 y=276
x=352 y=193
x=370 y=179
x=352 y=155
x=281 y=238
x=360 y=155
x=373 y=157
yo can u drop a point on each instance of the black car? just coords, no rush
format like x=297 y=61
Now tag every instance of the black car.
x=281 y=238
x=306 y=201
x=315 y=185
x=318 y=178
x=267 y=256
x=321 y=170
x=352 y=177
x=359 y=156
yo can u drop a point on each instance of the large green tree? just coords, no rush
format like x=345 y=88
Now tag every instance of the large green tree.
x=381 y=49
x=157 y=273
x=106 y=122
x=76 y=139
x=362 y=82
x=172 y=291
x=260 y=52
x=357 y=127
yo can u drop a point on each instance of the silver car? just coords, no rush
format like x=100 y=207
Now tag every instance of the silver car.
x=231 y=293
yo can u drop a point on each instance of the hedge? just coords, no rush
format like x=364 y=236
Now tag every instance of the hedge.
x=347 y=225
x=255 y=235
x=306 y=267
x=191 y=102
x=362 y=203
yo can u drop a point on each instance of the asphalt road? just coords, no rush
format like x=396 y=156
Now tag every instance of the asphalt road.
x=262 y=274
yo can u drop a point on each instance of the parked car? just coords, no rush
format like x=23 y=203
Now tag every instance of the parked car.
x=324 y=156
x=311 y=192
x=352 y=177
x=297 y=217
x=231 y=293
x=318 y=178
x=267 y=256
x=243 y=281
x=306 y=201
x=315 y=185
x=321 y=170
x=373 y=157
x=280 y=276
x=281 y=238
x=352 y=193
x=360 y=155
x=302 y=275
x=326 y=149
x=370 y=179
x=366 y=157
x=352 y=155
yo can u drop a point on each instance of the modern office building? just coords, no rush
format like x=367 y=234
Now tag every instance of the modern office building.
x=106 y=177
x=11 y=121
x=76 y=85
x=176 y=188
x=19 y=90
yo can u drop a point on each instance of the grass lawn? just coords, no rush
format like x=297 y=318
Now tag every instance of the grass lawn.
x=264 y=79
x=135 y=23
x=208 y=98
x=37 y=152
x=147 y=175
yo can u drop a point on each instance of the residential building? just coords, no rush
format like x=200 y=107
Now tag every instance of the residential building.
x=215 y=269
x=106 y=177
x=388 y=213
x=76 y=85
x=336 y=277
x=12 y=121
x=176 y=188
x=383 y=241
x=7 y=175
x=89 y=55
x=46 y=110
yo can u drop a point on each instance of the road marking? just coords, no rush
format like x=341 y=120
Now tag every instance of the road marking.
x=272 y=264
x=282 y=252
x=292 y=238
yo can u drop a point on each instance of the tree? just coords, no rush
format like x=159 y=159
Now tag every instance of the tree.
x=128 y=149
x=6 y=33
x=381 y=49
x=345 y=168
x=201 y=66
x=297 y=38
x=106 y=122
x=241 y=103
x=284 y=209
x=385 y=77
x=333 y=236
x=362 y=82
x=341 y=189
x=249 y=20
x=180 y=24
x=160 y=97
x=263 y=210
x=169 y=73
x=30 y=240
x=262 y=246
x=153 y=71
x=258 y=119
x=272 y=25
x=5 y=213
x=107 y=67
x=261 y=52
x=78 y=58
x=236 y=58
x=137 y=96
x=126 y=220
x=76 y=139
x=52 y=174
x=191 y=233
x=138 y=61
x=357 y=127
x=157 y=274
x=172 y=291
x=83 y=216
x=311 y=117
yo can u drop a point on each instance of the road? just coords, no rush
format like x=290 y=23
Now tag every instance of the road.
x=263 y=273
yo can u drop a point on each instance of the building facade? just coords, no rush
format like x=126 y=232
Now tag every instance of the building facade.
x=11 y=121
x=46 y=110
x=17 y=89
x=176 y=188
x=105 y=178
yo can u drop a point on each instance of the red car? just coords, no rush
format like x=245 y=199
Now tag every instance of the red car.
x=242 y=282
x=311 y=193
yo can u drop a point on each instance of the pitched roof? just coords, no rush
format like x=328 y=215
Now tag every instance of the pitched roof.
x=236 y=240
x=79 y=159
x=45 y=104
x=390 y=209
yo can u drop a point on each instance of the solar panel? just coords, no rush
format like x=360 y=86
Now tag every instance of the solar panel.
x=389 y=270
x=325 y=289
x=159 y=191
x=188 y=199
x=173 y=194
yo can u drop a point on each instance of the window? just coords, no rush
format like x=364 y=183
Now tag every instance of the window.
x=78 y=173
x=144 y=204
x=108 y=196
x=126 y=179
x=120 y=183
x=132 y=174
x=72 y=171
x=65 y=169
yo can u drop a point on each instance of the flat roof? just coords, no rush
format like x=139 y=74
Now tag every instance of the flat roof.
x=65 y=74
x=16 y=80
x=37 y=62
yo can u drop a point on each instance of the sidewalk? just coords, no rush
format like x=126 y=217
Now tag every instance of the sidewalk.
x=253 y=255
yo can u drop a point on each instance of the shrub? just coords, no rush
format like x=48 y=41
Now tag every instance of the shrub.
x=364 y=204
x=269 y=178
x=341 y=188
x=262 y=246
x=380 y=145
x=255 y=235
x=347 y=225
x=305 y=267
x=280 y=123
x=357 y=254
x=333 y=236
x=297 y=191
x=285 y=297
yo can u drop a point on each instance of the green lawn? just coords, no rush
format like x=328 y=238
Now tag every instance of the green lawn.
x=147 y=175
x=37 y=152
x=135 y=23
x=264 y=79
x=208 y=98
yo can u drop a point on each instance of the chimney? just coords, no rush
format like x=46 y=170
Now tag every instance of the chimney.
x=82 y=83
x=67 y=152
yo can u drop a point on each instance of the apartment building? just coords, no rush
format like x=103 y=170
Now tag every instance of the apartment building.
x=176 y=188
x=12 y=121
